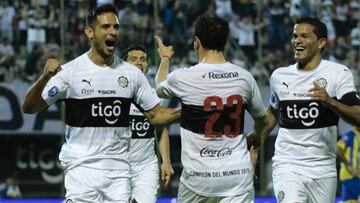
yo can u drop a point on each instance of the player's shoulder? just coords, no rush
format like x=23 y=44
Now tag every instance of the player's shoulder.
x=282 y=71
x=183 y=72
x=334 y=66
x=75 y=63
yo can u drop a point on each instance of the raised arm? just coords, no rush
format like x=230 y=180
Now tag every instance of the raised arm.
x=33 y=100
x=164 y=148
x=165 y=53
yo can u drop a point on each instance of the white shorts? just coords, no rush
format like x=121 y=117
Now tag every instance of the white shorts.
x=187 y=196
x=85 y=184
x=293 y=187
x=144 y=181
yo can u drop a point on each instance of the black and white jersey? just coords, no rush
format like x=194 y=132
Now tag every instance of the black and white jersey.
x=142 y=143
x=307 y=135
x=214 y=153
x=98 y=101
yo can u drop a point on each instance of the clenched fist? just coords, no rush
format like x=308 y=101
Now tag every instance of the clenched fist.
x=52 y=66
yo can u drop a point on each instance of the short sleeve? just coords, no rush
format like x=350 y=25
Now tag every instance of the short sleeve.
x=346 y=83
x=274 y=98
x=256 y=105
x=145 y=95
x=169 y=85
x=57 y=87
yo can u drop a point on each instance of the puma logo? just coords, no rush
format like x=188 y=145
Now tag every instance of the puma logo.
x=286 y=85
x=87 y=81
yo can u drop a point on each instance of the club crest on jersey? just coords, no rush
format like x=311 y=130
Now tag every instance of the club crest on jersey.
x=321 y=82
x=123 y=81
x=281 y=196
x=53 y=91
x=69 y=201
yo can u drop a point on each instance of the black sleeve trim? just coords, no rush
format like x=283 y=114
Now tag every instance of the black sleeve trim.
x=350 y=99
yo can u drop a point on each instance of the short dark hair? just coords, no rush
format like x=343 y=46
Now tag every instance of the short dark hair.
x=125 y=53
x=91 y=17
x=320 y=29
x=212 y=32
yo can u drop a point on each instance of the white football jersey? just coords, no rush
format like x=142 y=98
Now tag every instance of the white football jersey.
x=214 y=153
x=142 y=143
x=306 y=140
x=97 y=101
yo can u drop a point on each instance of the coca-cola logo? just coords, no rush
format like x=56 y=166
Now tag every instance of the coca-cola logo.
x=209 y=152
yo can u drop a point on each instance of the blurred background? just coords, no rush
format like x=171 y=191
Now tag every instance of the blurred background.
x=31 y=31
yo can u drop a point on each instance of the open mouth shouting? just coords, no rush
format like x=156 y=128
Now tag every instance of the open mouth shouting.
x=110 y=44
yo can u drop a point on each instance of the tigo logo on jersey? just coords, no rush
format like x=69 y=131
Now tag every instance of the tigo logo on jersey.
x=109 y=112
x=304 y=113
x=140 y=127
x=53 y=91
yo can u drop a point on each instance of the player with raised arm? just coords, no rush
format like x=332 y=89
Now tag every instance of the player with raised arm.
x=98 y=89
x=214 y=95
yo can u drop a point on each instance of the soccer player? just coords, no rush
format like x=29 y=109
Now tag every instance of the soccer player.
x=143 y=160
x=98 y=89
x=214 y=95
x=307 y=98
x=348 y=152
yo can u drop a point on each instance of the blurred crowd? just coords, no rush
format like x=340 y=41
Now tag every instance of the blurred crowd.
x=31 y=31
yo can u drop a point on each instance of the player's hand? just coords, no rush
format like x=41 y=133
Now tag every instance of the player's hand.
x=319 y=93
x=166 y=172
x=253 y=156
x=253 y=141
x=52 y=66
x=253 y=144
x=164 y=51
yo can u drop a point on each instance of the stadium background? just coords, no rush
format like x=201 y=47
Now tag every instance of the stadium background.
x=33 y=30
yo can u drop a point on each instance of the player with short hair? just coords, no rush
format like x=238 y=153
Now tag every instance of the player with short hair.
x=143 y=160
x=214 y=95
x=98 y=89
x=307 y=99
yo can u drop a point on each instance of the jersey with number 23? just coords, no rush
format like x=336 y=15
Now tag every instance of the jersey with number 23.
x=214 y=154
